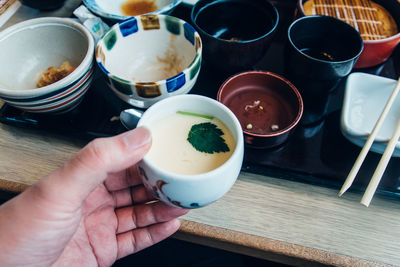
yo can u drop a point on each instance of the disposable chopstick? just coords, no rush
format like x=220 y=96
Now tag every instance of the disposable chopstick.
x=361 y=157
x=380 y=170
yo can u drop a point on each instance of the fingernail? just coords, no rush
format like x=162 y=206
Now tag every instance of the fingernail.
x=137 y=137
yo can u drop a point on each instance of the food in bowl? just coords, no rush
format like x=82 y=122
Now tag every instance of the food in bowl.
x=150 y=57
x=138 y=7
x=266 y=104
x=27 y=53
x=261 y=110
x=119 y=10
x=372 y=20
x=206 y=183
x=190 y=143
x=54 y=74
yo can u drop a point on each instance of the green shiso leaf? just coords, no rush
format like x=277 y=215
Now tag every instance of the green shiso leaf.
x=206 y=137
x=195 y=114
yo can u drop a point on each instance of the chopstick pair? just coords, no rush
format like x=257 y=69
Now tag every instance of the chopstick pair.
x=376 y=177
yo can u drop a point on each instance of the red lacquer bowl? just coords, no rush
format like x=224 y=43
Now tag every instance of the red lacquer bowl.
x=267 y=105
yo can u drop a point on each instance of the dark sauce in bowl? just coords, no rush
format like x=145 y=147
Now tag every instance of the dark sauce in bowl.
x=235 y=20
x=319 y=54
x=260 y=110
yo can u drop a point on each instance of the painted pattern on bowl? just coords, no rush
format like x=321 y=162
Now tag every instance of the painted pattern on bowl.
x=148 y=39
x=61 y=99
x=157 y=190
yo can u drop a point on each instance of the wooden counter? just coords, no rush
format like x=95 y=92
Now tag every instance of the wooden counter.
x=279 y=220
x=274 y=219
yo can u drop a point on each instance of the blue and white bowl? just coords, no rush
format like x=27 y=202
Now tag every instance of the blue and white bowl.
x=151 y=57
x=111 y=10
x=29 y=48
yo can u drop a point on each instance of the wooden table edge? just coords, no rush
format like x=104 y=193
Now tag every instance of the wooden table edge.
x=264 y=248
x=246 y=244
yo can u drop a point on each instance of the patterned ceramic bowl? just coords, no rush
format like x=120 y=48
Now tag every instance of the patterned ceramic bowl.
x=150 y=57
x=118 y=10
x=190 y=190
x=22 y=65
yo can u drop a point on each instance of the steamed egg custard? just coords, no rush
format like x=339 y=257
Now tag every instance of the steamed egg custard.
x=189 y=143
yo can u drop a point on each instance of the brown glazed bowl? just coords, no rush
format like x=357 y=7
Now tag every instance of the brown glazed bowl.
x=375 y=51
x=267 y=105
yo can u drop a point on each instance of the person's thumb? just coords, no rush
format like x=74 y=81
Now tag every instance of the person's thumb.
x=82 y=174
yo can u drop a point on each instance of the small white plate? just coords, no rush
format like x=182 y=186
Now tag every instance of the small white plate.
x=365 y=97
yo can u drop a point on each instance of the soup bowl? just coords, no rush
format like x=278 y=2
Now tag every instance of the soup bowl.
x=173 y=185
x=27 y=54
x=148 y=58
x=377 y=51
x=236 y=33
x=267 y=105
x=45 y=5
x=119 y=10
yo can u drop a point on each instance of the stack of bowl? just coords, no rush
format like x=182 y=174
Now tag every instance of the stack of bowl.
x=29 y=48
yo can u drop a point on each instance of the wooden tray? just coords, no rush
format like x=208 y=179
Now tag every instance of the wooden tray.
x=317 y=154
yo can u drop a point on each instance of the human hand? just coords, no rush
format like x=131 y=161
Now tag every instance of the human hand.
x=90 y=212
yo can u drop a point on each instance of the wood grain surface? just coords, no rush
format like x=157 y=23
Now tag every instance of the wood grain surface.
x=279 y=220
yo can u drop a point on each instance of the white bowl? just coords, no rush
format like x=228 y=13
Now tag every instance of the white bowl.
x=29 y=48
x=192 y=190
x=151 y=57
x=112 y=9
x=365 y=97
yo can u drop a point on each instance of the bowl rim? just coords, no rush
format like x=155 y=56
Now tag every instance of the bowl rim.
x=319 y=17
x=95 y=8
x=269 y=33
x=81 y=68
x=237 y=153
x=118 y=79
x=397 y=35
x=276 y=76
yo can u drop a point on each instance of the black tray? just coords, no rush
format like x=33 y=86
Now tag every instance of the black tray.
x=317 y=154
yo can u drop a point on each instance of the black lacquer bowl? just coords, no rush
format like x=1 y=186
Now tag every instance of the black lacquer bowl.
x=236 y=34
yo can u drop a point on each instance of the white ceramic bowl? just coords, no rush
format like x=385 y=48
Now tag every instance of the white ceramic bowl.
x=112 y=9
x=29 y=48
x=148 y=58
x=365 y=97
x=197 y=190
